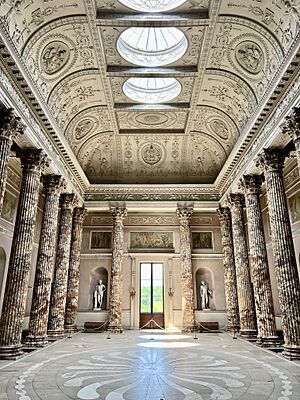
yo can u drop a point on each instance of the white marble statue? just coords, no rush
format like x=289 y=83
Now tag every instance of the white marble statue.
x=98 y=295
x=204 y=294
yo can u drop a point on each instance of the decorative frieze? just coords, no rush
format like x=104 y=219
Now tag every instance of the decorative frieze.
x=13 y=311
x=244 y=287
x=272 y=163
x=187 y=285
x=230 y=285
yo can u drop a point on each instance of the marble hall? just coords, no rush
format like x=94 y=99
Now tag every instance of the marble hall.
x=149 y=200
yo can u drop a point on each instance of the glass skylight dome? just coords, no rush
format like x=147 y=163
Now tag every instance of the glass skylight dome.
x=152 y=90
x=152 y=47
x=152 y=5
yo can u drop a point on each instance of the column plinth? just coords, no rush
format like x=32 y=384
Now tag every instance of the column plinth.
x=187 y=285
x=272 y=163
x=53 y=184
x=265 y=316
x=244 y=287
x=115 y=298
x=13 y=311
x=10 y=127
x=56 y=320
x=231 y=297
x=73 y=278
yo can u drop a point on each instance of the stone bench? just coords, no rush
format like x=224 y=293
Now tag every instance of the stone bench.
x=206 y=326
x=90 y=326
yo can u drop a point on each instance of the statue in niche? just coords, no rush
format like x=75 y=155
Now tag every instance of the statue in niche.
x=98 y=295
x=204 y=295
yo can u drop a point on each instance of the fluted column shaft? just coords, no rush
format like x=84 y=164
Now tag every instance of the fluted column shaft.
x=233 y=319
x=73 y=279
x=272 y=162
x=14 y=303
x=53 y=185
x=10 y=127
x=264 y=308
x=60 y=280
x=187 y=285
x=244 y=288
x=115 y=298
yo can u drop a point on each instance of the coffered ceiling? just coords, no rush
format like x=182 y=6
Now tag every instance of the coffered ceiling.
x=230 y=67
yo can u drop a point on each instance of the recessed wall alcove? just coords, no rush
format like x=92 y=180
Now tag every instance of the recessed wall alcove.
x=206 y=275
x=97 y=274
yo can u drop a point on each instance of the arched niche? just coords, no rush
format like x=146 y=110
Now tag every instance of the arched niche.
x=97 y=274
x=2 y=266
x=205 y=275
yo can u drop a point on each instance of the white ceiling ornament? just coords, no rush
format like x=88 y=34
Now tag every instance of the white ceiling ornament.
x=152 y=5
x=152 y=90
x=152 y=47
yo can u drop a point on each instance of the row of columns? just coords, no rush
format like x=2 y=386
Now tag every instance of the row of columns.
x=47 y=317
x=240 y=276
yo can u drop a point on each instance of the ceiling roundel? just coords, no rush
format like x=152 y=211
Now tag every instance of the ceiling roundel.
x=152 y=90
x=152 y=47
x=152 y=5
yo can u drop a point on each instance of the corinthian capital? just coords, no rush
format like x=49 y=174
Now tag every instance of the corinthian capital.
x=33 y=159
x=251 y=184
x=68 y=200
x=235 y=200
x=272 y=159
x=10 y=124
x=79 y=215
x=53 y=184
x=292 y=124
x=184 y=213
x=224 y=214
x=118 y=213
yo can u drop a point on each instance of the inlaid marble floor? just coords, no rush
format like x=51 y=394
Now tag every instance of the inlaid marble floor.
x=150 y=366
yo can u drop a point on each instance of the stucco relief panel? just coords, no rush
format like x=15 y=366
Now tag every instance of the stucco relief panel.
x=24 y=17
x=76 y=93
x=230 y=94
x=246 y=49
x=152 y=119
x=280 y=17
x=59 y=49
x=110 y=35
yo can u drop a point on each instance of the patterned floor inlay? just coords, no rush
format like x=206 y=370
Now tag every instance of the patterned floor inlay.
x=151 y=366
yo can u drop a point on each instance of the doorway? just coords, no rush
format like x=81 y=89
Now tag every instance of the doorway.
x=152 y=295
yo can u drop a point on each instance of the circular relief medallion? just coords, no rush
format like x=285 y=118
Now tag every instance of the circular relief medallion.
x=151 y=119
x=54 y=57
x=83 y=127
x=250 y=56
x=151 y=153
x=220 y=128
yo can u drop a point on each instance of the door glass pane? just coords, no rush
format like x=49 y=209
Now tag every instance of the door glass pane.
x=157 y=288
x=145 y=288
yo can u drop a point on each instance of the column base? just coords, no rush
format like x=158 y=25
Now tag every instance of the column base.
x=233 y=328
x=56 y=335
x=71 y=328
x=114 y=329
x=11 y=352
x=270 y=341
x=36 y=341
x=291 y=352
x=248 y=333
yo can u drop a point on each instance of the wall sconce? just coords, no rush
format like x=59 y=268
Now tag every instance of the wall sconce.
x=171 y=292
x=132 y=292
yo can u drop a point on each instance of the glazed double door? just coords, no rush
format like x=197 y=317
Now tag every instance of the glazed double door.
x=152 y=295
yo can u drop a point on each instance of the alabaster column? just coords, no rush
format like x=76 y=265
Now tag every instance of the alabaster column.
x=231 y=297
x=53 y=184
x=73 y=279
x=272 y=162
x=14 y=303
x=292 y=127
x=187 y=285
x=265 y=316
x=115 y=297
x=10 y=127
x=60 y=280
x=244 y=287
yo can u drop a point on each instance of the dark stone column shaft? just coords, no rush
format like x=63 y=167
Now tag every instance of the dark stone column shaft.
x=272 y=162
x=53 y=184
x=115 y=298
x=244 y=287
x=265 y=315
x=10 y=127
x=73 y=279
x=233 y=320
x=187 y=285
x=14 y=303
x=60 y=280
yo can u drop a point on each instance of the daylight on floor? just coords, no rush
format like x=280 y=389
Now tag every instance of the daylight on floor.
x=149 y=200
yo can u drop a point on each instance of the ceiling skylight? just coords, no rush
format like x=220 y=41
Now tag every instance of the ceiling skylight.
x=152 y=47
x=152 y=5
x=152 y=90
